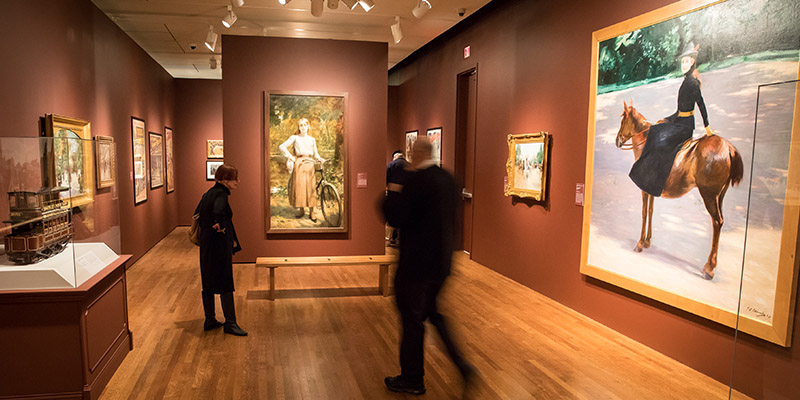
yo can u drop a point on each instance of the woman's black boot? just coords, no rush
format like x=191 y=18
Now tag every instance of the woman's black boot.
x=229 y=310
x=208 y=309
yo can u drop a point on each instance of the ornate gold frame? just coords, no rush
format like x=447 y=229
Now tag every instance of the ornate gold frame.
x=542 y=138
x=54 y=123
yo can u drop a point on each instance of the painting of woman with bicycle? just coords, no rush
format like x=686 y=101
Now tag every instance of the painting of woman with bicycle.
x=305 y=166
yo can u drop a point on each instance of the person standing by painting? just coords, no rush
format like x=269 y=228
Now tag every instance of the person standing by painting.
x=425 y=209
x=218 y=243
x=651 y=170
x=300 y=161
x=396 y=172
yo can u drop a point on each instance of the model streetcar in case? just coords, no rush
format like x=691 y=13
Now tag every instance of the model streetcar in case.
x=41 y=225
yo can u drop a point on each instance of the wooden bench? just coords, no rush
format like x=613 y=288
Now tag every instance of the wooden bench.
x=382 y=261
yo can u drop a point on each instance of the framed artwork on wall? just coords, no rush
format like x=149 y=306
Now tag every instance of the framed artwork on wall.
x=659 y=232
x=211 y=169
x=106 y=161
x=435 y=137
x=70 y=161
x=526 y=166
x=411 y=137
x=215 y=148
x=170 y=163
x=139 y=150
x=306 y=187
x=156 y=160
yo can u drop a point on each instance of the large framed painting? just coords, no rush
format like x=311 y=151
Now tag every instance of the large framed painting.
x=435 y=138
x=139 y=157
x=106 y=161
x=306 y=187
x=215 y=148
x=687 y=110
x=411 y=138
x=68 y=159
x=168 y=157
x=526 y=166
x=156 y=160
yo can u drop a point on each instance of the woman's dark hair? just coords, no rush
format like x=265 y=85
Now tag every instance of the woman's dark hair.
x=226 y=172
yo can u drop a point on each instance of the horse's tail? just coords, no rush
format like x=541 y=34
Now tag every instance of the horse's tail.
x=737 y=167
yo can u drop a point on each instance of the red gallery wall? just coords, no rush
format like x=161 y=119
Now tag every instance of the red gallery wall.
x=533 y=60
x=68 y=58
x=256 y=64
x=199 y=118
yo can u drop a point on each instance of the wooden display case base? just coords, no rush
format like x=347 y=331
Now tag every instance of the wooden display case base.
x=65 y=343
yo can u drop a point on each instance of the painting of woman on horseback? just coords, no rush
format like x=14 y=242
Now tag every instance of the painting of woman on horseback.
x=670 y=164
x=730 y=65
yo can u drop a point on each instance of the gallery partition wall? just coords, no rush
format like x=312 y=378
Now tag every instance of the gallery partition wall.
x=576 y=72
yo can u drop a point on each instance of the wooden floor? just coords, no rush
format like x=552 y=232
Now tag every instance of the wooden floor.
x=340 y=343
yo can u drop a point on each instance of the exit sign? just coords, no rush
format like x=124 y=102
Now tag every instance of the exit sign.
x=466 y=52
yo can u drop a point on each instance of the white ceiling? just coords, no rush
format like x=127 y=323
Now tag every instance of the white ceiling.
x=167 y=29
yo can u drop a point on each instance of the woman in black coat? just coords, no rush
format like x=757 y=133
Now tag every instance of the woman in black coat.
x=651 y=170
x=218 y=243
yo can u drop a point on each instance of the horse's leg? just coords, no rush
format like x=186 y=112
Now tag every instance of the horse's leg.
x=650 y=199
x=641 y=243
x=713 y=201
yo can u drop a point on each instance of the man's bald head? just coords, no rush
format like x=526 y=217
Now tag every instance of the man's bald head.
x=423 y=150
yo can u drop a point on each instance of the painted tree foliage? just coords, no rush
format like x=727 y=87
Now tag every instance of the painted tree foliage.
x=729 y=32
x=326 y=118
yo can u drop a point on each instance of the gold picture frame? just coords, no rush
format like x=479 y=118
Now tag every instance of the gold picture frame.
x=669 y=267
x=215 y=148
x=70 y=160
x=105 y=161
x=527 y=165
x=323 y=206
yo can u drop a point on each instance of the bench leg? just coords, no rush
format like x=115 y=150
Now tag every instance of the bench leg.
x=383 y=279
x=272 y=283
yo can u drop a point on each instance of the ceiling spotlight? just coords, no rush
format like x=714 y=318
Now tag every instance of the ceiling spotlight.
x=333 y=4
x=366 y=4
x=230 y=18
x=422 y=7
x=212 y=62
x=351 y=4
x=211 y=38
x=397 y=33
x=284 y=2
x=239 y=3
x=316 y=7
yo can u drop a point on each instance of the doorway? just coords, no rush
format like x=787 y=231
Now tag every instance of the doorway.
x=464 y=169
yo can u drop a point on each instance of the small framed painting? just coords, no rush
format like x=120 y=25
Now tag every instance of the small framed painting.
x=139 y=149
x=435 y=137
x=527 y=165
x=156 y=160
x=411 y=137
x=211 y=169
x=170 y=163
x=214 y=149
x=105 y=159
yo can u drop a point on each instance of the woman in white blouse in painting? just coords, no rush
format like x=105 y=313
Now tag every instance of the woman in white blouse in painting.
x=301 y=152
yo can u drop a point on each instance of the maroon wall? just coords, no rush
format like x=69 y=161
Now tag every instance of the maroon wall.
x=533 y=60
x=198 y=118
x=68 y=58
x=254 y=65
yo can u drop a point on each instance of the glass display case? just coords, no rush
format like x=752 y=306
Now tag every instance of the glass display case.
x=63 y=293
x=58 y=228
x=768 y=283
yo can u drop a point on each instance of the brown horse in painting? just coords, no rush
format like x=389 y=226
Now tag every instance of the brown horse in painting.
x=710 y=163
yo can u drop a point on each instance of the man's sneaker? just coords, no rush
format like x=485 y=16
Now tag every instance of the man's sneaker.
x=401 y=385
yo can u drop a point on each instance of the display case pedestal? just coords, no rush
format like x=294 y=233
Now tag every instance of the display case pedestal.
x=65 y=343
